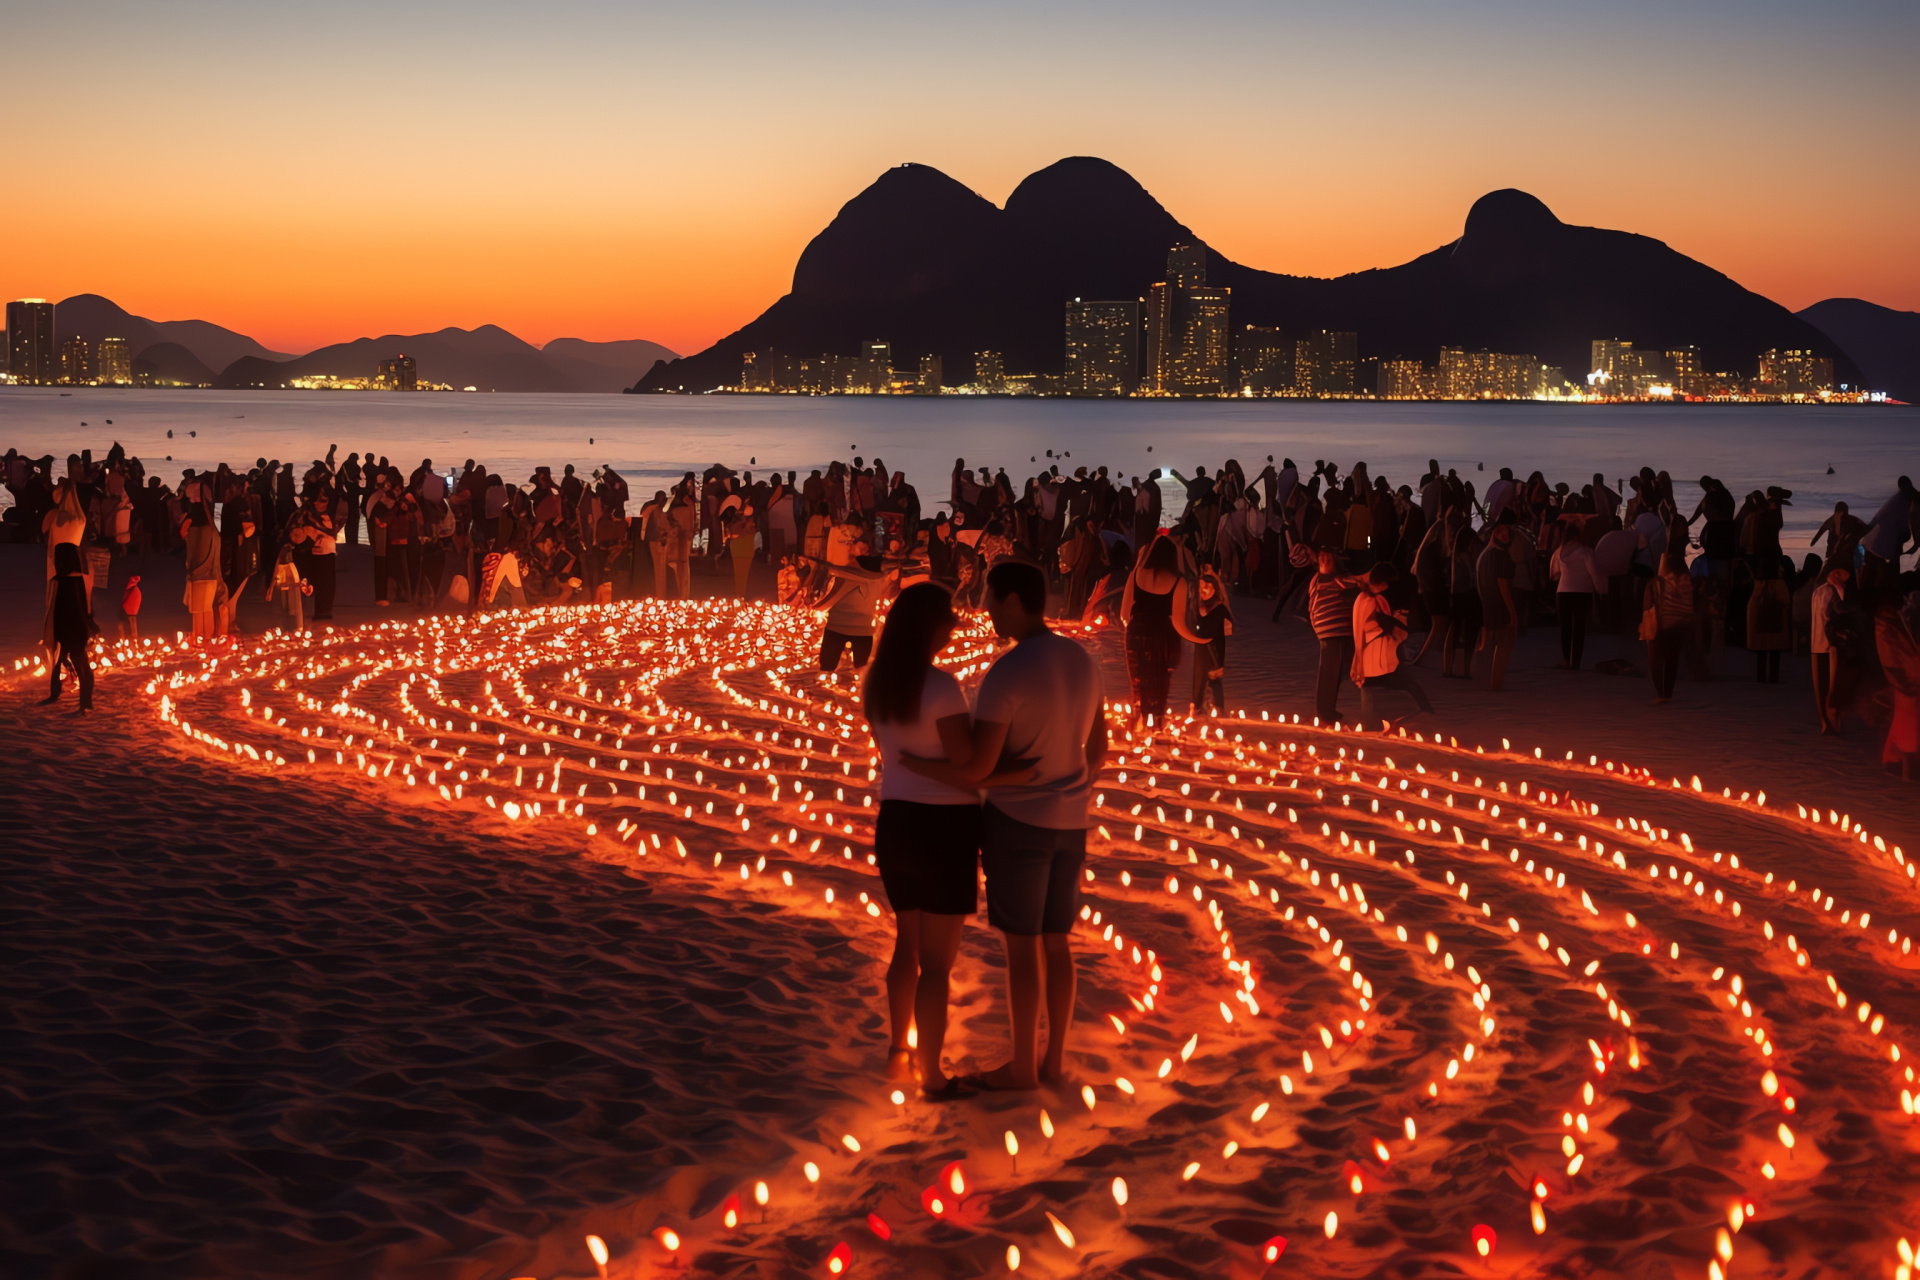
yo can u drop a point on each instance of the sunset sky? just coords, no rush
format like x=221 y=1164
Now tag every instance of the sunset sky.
x=311 y=173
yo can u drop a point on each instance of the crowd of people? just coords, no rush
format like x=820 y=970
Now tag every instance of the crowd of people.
x=1385 y=575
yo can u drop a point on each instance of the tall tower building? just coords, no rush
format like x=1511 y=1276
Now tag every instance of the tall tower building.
x=989 y=371
x=76 y=362
x=1189 y=343
x=1103 y=348
x=1328 y=363
x=932 y=377
x=115 y=363
x=1161 y=344
x=1187 y=266
x=30 y=354
x=1206 y=343
x=1609 y=359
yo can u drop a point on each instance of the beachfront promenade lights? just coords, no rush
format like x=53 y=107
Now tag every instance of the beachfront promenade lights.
x=696 y=743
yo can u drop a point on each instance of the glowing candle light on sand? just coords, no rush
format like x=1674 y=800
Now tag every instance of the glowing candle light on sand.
x=598 y=1248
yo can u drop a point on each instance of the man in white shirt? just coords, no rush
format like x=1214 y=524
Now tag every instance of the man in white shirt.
x=1040 y=703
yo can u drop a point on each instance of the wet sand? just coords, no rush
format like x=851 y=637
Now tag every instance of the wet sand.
x=292 y=1019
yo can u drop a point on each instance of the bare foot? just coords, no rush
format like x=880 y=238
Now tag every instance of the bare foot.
x=1000 y=1080
x=899 y=1064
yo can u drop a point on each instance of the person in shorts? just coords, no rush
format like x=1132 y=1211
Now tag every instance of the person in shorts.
x=926 y=839
x=1039 y=738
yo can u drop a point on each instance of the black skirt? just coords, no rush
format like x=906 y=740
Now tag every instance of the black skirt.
x=929 y=856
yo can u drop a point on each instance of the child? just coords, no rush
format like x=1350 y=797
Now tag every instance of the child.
x=1211 y=629
x=130 y=608
x=291 y=590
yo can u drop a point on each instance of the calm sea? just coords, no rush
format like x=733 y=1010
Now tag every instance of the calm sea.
x=652 y=440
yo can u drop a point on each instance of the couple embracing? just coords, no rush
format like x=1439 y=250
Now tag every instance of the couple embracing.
x=1032 y=744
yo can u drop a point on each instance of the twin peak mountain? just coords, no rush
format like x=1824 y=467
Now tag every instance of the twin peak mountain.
x=934 y=268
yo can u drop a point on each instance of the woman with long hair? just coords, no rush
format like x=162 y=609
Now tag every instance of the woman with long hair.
x=1156 y=593
x=69 y=625
x=926 y=839
x=1668 y=615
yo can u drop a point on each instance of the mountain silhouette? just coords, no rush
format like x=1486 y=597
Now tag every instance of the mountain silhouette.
x=487 y=358
x=1884 y=343
x=921 y=261
x=169 y=364
x=90 y=316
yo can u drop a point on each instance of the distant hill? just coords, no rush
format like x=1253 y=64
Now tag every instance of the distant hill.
x=93 y=317
x=487 y=358
x=171 y=365
x=922 y=262
x=1884 y=343
x=603 y=366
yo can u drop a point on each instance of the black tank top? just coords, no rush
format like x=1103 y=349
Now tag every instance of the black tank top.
x=1152 y=612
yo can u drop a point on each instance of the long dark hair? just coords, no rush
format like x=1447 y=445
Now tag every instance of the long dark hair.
x=891 y=692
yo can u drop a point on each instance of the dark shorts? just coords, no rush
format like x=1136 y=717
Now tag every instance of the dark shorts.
x=928 y=856
x=1033 y=875
x=834 y=643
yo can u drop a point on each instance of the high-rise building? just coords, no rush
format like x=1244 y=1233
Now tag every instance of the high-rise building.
x=1343 y=362
x=989 y=371
x=1206 y=349
x=76 y=362
x=1488 y=375
x=1189 y=343
x=1187 y=266
x=115 y=363
x=1263 y=361
x=1794 y=373
x=1405 y=380
x=1327 y=363
x=1160 y=340
x=1103 y=348
x=399 y=374
x=1683 y=367
x=30 y=354
x=1607 y=359
x=931 y=380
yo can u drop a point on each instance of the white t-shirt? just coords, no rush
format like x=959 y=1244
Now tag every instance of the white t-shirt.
x=940 y=697
x=1046 y=690
x=1578 y=572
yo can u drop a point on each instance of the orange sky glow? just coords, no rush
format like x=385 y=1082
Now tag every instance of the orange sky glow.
x=591 y=172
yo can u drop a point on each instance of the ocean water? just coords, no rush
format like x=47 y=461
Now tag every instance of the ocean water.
x=652 y=440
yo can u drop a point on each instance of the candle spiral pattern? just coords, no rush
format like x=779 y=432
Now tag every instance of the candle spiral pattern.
x=1383 y=995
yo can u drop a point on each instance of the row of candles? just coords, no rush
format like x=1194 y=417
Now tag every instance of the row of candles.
x=549 y=679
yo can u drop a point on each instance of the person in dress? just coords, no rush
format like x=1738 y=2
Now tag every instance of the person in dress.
x=1154 y=596
x=69 y=626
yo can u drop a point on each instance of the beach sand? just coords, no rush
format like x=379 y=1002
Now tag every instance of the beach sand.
x=290 y=1019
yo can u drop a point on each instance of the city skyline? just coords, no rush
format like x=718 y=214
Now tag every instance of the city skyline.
x=601 y=189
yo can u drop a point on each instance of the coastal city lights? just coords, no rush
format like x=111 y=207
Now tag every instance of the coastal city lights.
x=1465 y=929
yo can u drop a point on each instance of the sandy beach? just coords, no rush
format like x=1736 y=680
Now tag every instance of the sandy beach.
x=282 y=1006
